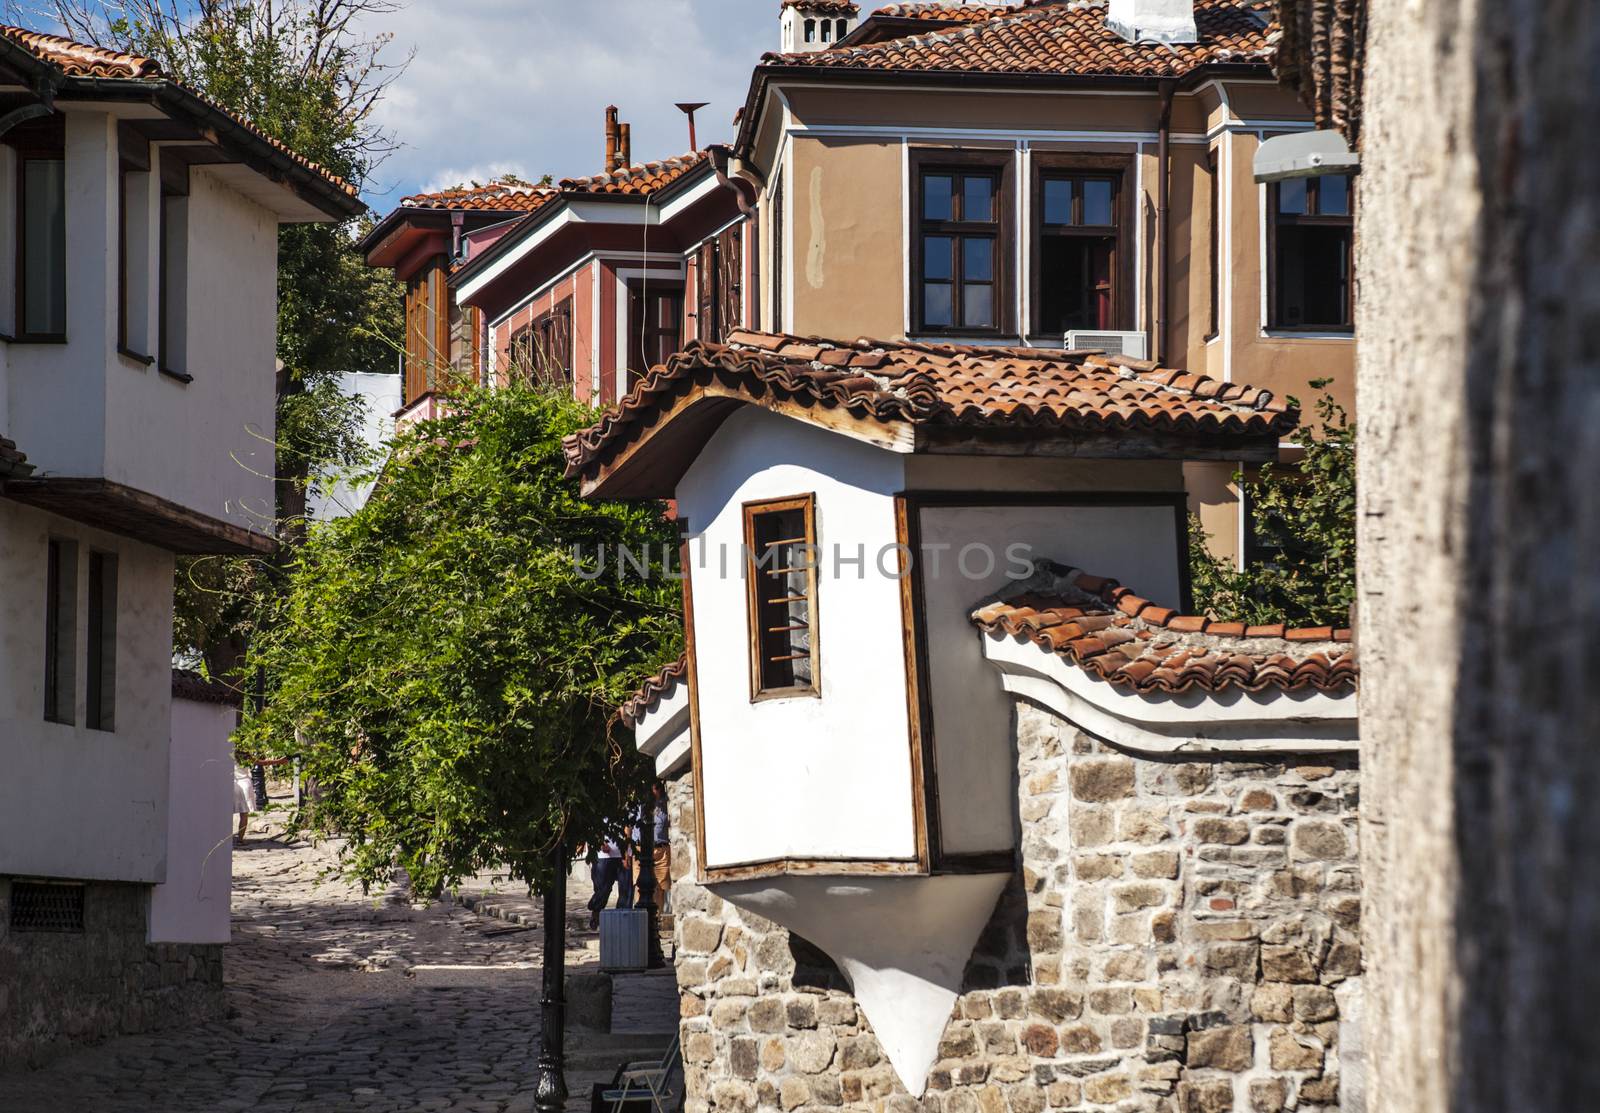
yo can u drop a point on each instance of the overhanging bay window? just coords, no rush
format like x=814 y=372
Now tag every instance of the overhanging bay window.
x=1082 y=262
x=959 y=250
x=541 y=351
x=1312 y=233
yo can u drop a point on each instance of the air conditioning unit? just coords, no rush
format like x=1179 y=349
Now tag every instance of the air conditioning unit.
x=1133 y=344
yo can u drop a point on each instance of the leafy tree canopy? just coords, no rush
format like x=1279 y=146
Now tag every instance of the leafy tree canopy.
x=445 y=669
x=1303 y=516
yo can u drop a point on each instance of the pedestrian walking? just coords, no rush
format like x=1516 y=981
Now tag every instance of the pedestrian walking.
x=243 y=795
x=611 y=868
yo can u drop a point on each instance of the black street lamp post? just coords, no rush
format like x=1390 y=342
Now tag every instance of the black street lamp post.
x=647 y=880
x=551 y=1094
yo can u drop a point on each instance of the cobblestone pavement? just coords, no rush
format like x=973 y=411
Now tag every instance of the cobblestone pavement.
x=339 y=1001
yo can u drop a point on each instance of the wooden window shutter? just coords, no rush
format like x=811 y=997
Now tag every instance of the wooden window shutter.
x=707 y=310
x=730 y=281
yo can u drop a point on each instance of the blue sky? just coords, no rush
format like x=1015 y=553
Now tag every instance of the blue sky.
x=522 y=85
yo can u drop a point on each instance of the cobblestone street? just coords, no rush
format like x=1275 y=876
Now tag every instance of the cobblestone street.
x=342 y=1001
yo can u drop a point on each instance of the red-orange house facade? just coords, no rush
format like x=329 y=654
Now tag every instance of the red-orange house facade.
x=613 y=274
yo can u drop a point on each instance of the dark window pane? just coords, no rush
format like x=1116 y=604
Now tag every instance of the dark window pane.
x=938 y=257
x=1075 y=283
x=936 y=197
x=977 y=259
x=1057 y=201
x=44 y=247
x=977 y=199
x=936 y=305
x=1333 y=195
x=1292 y=196
x=1097 y=203
x=977 y=305
x=1313 y=276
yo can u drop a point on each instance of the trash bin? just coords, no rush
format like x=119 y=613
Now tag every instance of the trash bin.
x=624 y=939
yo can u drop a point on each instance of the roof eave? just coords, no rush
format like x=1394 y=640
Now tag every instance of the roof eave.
x=767 y=72
x=227 y=132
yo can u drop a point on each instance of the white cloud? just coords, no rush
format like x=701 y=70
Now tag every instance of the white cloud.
x=522 y=85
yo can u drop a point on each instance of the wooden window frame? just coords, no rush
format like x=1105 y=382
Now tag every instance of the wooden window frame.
x=427 y=328
x=1048 y=165
x=640 y=289
x=932 y=161
x=26 y=153
x=1275 y=220
x=807 y=505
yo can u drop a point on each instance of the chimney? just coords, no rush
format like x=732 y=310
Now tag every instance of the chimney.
x=624 y=146
x=1161 y=21
x=806 y=26
x=611 y=138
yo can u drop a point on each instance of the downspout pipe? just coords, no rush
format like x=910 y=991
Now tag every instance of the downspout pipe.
x=1163 y=221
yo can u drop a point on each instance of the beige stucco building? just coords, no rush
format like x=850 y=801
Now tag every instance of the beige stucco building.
x=1065 y=140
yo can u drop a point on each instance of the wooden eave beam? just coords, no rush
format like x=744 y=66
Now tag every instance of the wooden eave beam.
x=118 y=508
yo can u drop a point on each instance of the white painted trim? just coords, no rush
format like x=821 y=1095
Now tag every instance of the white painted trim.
x=662 y=732
x=665 y=213
x=1139 y=245
x=1261 y=260
x=573 y=268
x=1242 y=520
x=1230 y=721
x=788 y=246
x=908 y=236
x=1240 y=124
x=999 y=136
x=1024 y=237
x=1292 y=334
x=594 y=335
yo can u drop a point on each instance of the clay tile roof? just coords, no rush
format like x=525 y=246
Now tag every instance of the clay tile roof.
x=1125 y=640
x=1068 y=38
x=824 y=7
x=511 y=197
x=947 y=12
x=645 y=178
x=653 y=691
x=75 y=59
x=942 y=385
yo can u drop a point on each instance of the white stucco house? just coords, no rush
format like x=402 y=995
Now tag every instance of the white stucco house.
x=890 y=636
x=138 y=291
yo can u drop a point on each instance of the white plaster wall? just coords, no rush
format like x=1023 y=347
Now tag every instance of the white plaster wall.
x=192 y=905
x=57 y=392
x=74 y=802
x=340 y=495
x=972 y=714
x=800 y=777
x=207 y=444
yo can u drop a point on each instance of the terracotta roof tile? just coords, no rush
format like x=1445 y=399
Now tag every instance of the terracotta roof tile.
x=938 y=385
x=824 y=7
x=653 y=691
x=1160 y=651
x=647 y=177
x=1068 y=38
x=75 y=59
x=948 y=12
x=508 y=197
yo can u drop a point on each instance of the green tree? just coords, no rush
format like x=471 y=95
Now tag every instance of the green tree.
x=305 y=73
x=1303 y=516
x=445 y=667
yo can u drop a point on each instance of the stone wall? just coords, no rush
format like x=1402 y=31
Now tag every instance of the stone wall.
x=58 y=989
x=1183 y=938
